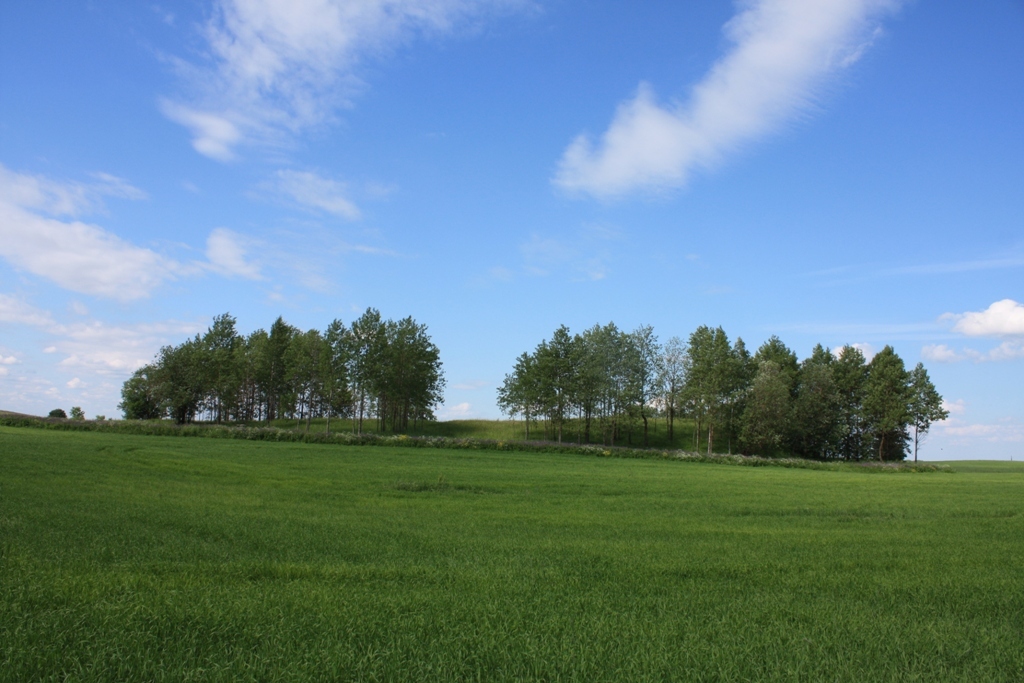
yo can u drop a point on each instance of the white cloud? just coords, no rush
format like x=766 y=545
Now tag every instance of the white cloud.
x=278 y=67
x=783 y=52
x=462 y=411
x=940 y=353
x=3 y=371
x=471 y=386
x=54 y=198
x=7 y=360
x=867 y=349
x=957 y=407
x=1002 y=319
x=1008 y=350
x=75 y=383
x=1006 y=431
x=77 y=256
x=15 y=311
x=95 y=346
x=115 y=349
x=226 y=252
x=212 y=135
x=315 y=192
x=39 y=234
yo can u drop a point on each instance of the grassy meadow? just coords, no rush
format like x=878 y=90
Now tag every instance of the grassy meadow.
x=156 y=559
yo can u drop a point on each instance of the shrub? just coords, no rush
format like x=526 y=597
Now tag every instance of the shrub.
x=58 y=412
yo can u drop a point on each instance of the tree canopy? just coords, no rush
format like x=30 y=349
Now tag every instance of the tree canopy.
x=379 y=369
x=604 y=384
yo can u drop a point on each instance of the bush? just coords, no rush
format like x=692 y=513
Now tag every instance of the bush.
x=58 y=412
x=77 y=413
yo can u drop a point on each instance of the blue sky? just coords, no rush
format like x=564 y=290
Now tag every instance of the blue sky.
x=834 y=171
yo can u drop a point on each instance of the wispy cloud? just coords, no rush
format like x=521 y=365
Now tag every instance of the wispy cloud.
x=461 y=411
x=315 y=192
x=226 y=253
x=40 y=233
x=584 y=256
x=36 y=236
x=783 y=53
x=93 y=345
x=471 y=386
x=941 y=353
x=117 y=350
x=279 y=67
x=1007 y=431
x=18 y=312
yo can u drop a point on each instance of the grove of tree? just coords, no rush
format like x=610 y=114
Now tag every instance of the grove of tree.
x=604 y=385
x=374 y=369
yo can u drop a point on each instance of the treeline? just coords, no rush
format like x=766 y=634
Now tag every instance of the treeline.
x=375 y=369
x=605 y=384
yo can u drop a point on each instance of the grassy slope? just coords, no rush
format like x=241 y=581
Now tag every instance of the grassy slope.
x=152 y=558
x=512 y=430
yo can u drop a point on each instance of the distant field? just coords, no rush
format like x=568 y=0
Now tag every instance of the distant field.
x=152 y=558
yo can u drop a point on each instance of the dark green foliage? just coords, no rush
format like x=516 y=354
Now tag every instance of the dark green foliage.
x=850 y=372
x=77 y=413
x=604 y=380
x=391 y=368
x=766 y=420
x=58 y=413
x=832 y=406
x=152 y=559
x=784 y=357
x=887 y=399
x=817 y=427
x=140 y=399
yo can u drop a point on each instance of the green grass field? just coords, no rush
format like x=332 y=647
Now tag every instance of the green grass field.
x=167 y=559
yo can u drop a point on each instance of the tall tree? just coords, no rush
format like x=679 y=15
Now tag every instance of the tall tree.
x=304 y=373
x=777 y=352
x=887 y=403
x=519 y=394
x=274 y=369
x=767 y=414
x=555 y=361
x=673 y=376
x=139 y=396
x=645 y=369
x=335 y=360
x=708 y=377
x=817 y=423
x=850 y=373
x=220 y=369
x=366 y=352
x=925 y=404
